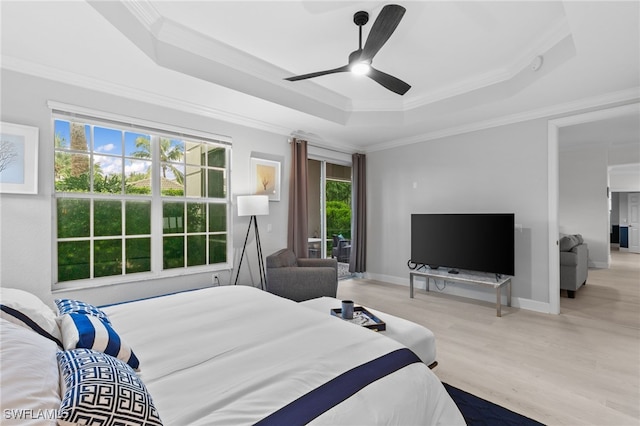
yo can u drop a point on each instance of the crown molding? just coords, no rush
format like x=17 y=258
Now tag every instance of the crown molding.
x=90 y=83
x=623 y=96
x=31 y=68
x=144 y=12
x=603 y=114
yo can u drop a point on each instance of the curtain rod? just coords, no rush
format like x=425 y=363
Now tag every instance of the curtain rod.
x=322 y=147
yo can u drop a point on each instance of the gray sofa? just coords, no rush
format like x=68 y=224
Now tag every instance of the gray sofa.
x=301 y=279
x=574 y=263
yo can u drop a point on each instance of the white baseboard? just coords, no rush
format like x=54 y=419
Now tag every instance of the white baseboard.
x=531 y=305
x=387 y=279
x=601 y=265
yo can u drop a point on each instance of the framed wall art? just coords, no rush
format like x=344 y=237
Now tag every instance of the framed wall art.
x=18 y=159
x=265 y=177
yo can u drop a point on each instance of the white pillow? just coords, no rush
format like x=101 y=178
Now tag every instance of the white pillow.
x=27 y=310
x=29 y=377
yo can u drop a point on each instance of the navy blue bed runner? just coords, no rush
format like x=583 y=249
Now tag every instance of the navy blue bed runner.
x=323 y=398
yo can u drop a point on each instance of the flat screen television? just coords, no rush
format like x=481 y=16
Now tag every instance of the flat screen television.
x=482 y=242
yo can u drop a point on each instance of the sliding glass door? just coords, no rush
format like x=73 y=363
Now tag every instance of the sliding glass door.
x=329 y=210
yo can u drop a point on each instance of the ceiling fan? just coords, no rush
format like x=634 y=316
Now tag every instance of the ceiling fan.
x=360 y=60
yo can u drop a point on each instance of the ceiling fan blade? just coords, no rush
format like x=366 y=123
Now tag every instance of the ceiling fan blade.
x=390 y=82
x=386 y=23
x=318 y=74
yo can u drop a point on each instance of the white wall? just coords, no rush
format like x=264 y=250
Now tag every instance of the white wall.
x=502 y=169
x=26 y=231
x=624 y=167
x=583 y=205
x=615 y=209
x=626 y=182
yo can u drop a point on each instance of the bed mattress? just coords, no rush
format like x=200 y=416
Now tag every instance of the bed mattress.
x=235 y=355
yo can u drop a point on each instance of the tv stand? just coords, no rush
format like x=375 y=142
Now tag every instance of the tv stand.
x=494 y=281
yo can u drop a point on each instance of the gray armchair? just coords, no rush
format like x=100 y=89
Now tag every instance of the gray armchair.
x=301 y=279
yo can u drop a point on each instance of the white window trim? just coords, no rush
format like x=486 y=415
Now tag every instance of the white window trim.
x=66 y=111
x=138 y=123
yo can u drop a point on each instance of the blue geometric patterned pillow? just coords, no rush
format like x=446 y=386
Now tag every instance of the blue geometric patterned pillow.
x=90 y=332
x=102 y=390
x=70 y=306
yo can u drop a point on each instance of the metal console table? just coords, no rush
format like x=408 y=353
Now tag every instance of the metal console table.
x=475 y=278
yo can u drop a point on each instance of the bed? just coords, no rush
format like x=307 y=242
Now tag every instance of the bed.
x=223 y=355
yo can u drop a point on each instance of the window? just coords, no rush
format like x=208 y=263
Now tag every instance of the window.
x=132 y=200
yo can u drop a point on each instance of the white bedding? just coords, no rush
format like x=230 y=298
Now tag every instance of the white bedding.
x=233 y=355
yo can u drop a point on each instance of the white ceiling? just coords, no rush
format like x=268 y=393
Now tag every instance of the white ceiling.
x=469 y=63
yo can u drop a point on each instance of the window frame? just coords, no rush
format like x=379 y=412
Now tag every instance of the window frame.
x=156 y=131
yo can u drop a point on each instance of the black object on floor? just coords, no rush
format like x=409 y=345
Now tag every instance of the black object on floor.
x=479 y=412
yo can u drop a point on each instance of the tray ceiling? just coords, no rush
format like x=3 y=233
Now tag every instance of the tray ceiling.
x=470 y=64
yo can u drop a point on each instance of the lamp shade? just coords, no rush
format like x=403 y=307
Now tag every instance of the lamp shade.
x=253 y=205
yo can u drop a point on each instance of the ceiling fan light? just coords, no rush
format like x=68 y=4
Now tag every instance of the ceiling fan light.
x=360 y=68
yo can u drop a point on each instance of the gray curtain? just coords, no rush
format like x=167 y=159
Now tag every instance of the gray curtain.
x=297 y=236
x=357 y=261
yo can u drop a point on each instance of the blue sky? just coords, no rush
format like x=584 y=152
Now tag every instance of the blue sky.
x=108 y=141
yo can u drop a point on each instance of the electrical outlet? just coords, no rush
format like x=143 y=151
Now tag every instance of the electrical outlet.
x=215 y=280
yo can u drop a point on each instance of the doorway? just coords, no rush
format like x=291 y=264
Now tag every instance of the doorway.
x=329 y=189
x=553 y=186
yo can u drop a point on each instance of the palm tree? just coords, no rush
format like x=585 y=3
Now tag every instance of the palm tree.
x=168 y=152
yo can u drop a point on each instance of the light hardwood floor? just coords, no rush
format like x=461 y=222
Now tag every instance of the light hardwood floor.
x=581 y=367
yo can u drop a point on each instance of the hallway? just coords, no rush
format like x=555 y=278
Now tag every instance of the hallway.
x=612 y=294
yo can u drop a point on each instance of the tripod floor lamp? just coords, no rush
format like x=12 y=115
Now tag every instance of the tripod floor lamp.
x=253 y=205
